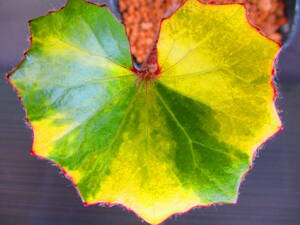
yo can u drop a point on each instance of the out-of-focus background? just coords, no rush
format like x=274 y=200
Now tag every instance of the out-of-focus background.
x=34 y=192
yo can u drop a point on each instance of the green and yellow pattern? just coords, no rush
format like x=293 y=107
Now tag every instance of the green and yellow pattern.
x=161 y=147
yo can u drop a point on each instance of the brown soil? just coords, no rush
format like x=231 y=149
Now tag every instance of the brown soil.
x=142 y=19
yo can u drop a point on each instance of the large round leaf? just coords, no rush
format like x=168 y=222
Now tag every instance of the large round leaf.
x=159 y=146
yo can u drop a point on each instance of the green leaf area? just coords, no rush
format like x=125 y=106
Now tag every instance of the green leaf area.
x=161 y=146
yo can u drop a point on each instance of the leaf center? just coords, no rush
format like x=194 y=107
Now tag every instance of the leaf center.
x=150 y=69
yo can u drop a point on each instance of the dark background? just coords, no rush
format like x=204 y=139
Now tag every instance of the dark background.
x=34 y=192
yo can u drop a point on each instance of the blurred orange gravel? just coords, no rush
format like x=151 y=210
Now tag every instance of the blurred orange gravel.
x=142 y=19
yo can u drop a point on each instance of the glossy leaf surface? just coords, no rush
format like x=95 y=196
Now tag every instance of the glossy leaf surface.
x=158 y=147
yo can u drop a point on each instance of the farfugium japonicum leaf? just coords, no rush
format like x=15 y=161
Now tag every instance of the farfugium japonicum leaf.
x=160 y=146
